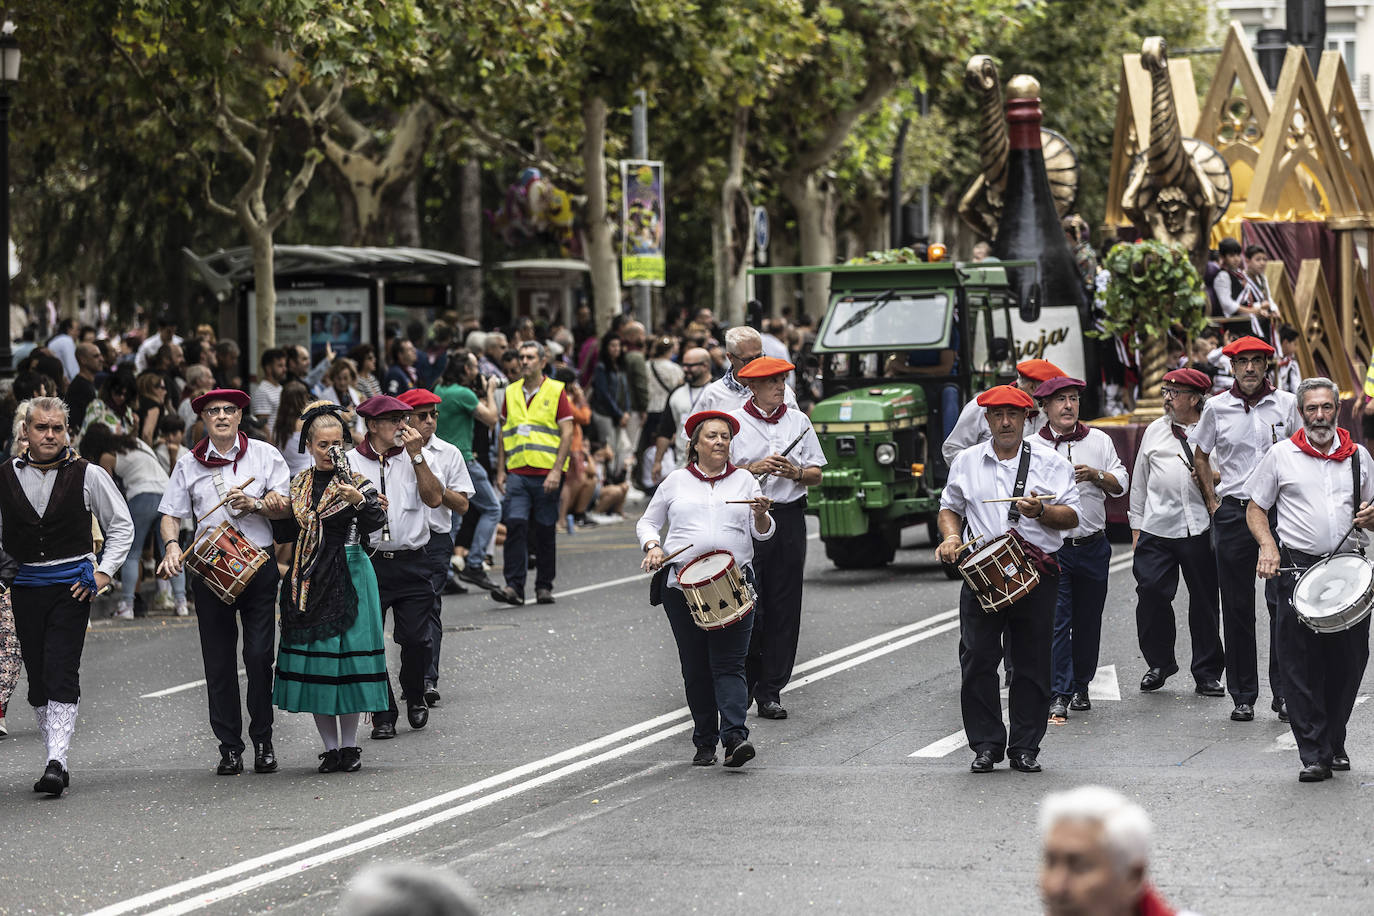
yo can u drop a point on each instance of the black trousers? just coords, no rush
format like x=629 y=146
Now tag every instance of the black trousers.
x=51 y=626
x=1237 y=553
x=437 y=553
x=403 y=584
x=1027 y=628
x=1156 y=566
x=1321 y=677
x=778 y=565
x=712 y=672
x=219 y=638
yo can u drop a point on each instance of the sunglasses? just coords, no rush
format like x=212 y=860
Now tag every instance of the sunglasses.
x=224 y=411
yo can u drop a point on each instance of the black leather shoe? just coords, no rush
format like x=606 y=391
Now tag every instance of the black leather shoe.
x=983 y=763
x=1243 y=712
x=1155 y=678
x=477 y=577
x=1280 y=706
x=417 y=714
x=1340 y=762
x=329 y=762
x=55 y=778
x=738 y=754
x=230 y=763
x=705 y=757
x=381 y=731
x=771 y=709
x=264 y=758
x=1209 y=688
x=507 y=595
x=1080 y=702
x=452 y=586
x=1025 y=763
x=543 y=595
x=431 y=695
x=1059 y=707
x=1314 y=772
x=350 y=759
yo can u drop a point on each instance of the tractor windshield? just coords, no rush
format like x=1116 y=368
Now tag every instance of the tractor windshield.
x=888 y=321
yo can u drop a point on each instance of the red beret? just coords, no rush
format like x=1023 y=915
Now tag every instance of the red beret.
x=379 y=405
x=419 y=397
x=1039 y=369
x=232 y=395
x=765 y=367
x=1190 y=378
x=1005 y=396
x=1247 y=345
x=701 y=417
x=1051 y=387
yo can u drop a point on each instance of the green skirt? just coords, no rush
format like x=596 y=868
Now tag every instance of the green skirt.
x=340 y=674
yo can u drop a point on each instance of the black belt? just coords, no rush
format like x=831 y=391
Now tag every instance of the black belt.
x=1237 y=500
x=418 y=553
x=1085 y=540
x=798 y=503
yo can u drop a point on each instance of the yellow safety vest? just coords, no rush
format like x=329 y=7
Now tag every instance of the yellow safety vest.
x=1369 y=381
x=530 y=435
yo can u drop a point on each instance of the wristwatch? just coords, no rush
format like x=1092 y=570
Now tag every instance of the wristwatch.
x=1101 y=476
x=257 y=505
x=417 y=459
x=650 y=546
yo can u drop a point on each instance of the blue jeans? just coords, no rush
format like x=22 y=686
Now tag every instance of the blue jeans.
x=143 y=509
x=527 y=507
x=487 y=504
x=1078 y=614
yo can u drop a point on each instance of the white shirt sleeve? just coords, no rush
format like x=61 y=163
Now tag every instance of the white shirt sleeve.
x=1263 y=485
x=755 y=491
x=1116 y=468
x=651 y=523
x=1136 y=513
x=103 y=498
x=1221 y=285
x=176 y=500
x=967 y=432
x=458 y=479
x=1204 y=437
x=278 y=474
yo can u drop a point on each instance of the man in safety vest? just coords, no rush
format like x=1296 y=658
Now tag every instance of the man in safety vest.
x=536 y=433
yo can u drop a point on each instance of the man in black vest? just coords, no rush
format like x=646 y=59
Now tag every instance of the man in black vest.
x=47 y=498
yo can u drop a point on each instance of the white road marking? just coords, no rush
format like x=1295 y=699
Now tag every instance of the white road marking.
x=190 y=685
x=1104 y=684
x=613 y=746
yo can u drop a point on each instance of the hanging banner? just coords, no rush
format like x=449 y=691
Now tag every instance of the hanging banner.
x=641 y=223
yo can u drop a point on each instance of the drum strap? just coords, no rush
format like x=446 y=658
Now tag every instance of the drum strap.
x=1022 y=471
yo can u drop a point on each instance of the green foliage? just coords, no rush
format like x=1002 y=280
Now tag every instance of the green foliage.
x=891 y=256
x=1154 y=288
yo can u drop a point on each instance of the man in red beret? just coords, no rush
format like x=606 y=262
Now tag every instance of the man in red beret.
x=767 y=428
x=220 y=465
x=971 y=427
x=448 y=465
x=1086 y=554
x=1171 y=530
x=1233 y=434
x=1007 y=466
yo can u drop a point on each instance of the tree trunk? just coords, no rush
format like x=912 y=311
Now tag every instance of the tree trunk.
x=600 y=245
x=468 y=290
x=379 y=182
x=782 y=252
x=405 y=215
x=737 y=241
x=813 y=198
x=264 y=289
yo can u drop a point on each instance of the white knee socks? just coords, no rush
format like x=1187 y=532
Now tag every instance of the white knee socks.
x=61 y=726
x=348 y=728
x=329 y=731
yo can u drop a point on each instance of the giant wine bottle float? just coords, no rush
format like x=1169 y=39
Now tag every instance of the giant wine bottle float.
x=1030 y=230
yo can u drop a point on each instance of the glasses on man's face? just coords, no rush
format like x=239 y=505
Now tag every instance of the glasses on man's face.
x=694 y=365
x=423 y=415
x=221 y=411
x=1170 y=392
x=741 y=360
x=1241 y=362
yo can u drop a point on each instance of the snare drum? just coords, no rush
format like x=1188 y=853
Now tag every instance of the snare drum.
x=225 y=561
x=716 y=592
x=999 y=573
x=1335 y=594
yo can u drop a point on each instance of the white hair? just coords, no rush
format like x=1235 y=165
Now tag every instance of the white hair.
x=476 y=341
x=736 y=336
x=50 y=405
x=406 y=890
x=1125 y=825
x=1312 y=384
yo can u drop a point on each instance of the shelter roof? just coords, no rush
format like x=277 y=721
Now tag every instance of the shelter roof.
x=224 y=268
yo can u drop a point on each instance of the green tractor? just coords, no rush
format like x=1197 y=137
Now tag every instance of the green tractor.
x=901 y=349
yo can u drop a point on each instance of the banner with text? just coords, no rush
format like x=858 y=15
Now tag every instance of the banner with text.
x=641 y=223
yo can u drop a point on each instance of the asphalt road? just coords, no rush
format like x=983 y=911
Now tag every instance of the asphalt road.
x=554 y=777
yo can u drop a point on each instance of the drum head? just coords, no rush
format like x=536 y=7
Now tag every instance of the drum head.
x=988 y=549
x=705 y=568
x=1333 y=585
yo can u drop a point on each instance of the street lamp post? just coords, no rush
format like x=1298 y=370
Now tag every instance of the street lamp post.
x=9 y=75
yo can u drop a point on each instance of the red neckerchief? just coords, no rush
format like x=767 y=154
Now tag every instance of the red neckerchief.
x=1151 y=904
x=367 y=451
x=753 y=410
x=1265 y=389
x=202 y=453
x=1079 y=432
x=1343 y=450
x=699 y=475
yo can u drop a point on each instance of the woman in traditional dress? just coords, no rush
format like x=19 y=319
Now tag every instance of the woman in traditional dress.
x=332 y=661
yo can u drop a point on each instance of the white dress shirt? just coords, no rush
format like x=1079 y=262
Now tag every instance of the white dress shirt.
x=103 y=500
x=1236 y=440
x=64 y=348
x=759 y=439
x=697 y=513
x=1165 y=500
x=448 y=465
x=1313 y=495
x=1096 y=451
x=407 y=517
x=193 y=488
x=148 y=349
x=264 y=403
x=977 y=474
x=972 y=428
x=728 y=393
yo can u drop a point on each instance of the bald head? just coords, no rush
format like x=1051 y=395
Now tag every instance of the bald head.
x=89 y=359
x=696 y=365
x=632 y=334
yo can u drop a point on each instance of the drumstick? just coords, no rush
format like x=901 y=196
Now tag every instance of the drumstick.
x=1012 y=499
x=216 y=506
x=742 y=502
x=762 y=474
x=676 y=553
x=969 y=543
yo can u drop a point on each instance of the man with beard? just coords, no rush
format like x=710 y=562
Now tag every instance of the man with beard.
x=1235 y=431
x=1319 y=481
x=1083 y=560
x=696 y=367
x=1171 y=531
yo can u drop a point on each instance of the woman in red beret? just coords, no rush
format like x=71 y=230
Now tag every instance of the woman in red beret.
x=708 y=505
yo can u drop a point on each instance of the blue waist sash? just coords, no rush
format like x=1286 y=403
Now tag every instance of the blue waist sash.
x=77 y=572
